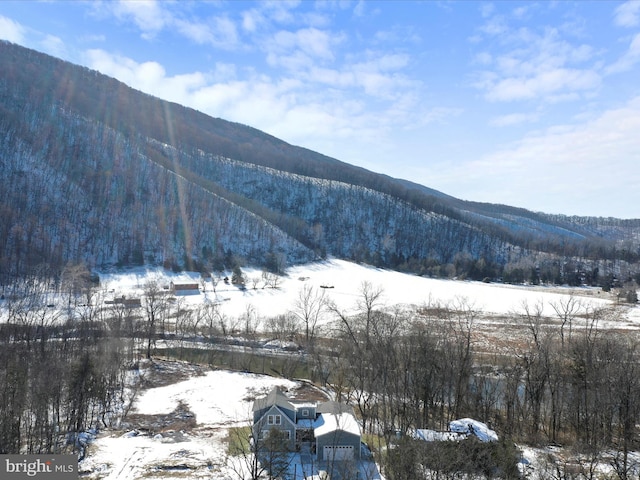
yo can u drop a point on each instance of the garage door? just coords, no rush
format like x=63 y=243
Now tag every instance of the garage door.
x=338 y=453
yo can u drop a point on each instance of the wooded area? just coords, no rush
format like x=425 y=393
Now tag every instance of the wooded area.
x=96 y=172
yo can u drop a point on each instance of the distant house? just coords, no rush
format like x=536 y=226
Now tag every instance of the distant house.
x=131 y=302
x=127 y=302
x=185 y=288
x=329 y=428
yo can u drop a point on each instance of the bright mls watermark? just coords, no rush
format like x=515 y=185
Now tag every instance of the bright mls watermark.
x=49 y=467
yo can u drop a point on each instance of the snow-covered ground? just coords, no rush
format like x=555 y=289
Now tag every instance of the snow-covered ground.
x=218 y=400
x=344 y=281
x=210 y=404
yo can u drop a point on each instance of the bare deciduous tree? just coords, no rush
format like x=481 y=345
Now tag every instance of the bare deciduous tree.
x=309 y=307
x=155 y=304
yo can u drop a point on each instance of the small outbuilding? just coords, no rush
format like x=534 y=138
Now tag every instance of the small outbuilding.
x=185 y=288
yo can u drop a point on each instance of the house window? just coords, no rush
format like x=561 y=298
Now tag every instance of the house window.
x=265 y=434
x=305 y=412
x=274 y=420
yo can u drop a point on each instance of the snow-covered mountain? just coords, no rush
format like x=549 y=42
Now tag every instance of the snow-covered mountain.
x=94 y=171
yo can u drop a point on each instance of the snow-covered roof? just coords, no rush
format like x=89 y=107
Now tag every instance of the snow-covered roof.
x=331 y=422
x=471 y=426
x=436 y=436
x=305 y=423
x=300 y=404
x=458 y=430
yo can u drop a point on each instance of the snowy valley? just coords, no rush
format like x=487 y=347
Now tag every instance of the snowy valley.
x=179 y=415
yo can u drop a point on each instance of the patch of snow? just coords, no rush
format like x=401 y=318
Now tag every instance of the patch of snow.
x=458 y=430
x=218 y=397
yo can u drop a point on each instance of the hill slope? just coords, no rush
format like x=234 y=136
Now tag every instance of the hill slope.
x=92 y=170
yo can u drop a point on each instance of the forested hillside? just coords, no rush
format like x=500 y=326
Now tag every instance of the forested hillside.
x=93 y=171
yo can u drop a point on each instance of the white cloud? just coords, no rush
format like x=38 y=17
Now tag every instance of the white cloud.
x=99 y=38
x=150 y=77
x=300 y=51
x=495 y=24
x=550 y=84
x=11 y=31
x=148 y=15
x=483 y=58
x=54 y=46
x=252 y=20
x=487 y=9
x=397 y=34
x=627 y=14
x=514 y=119
x=537 y=67
x=152 y=17
x=360 y=8
x=521 y=11
x=376 y=83
x=630 y=58
x=280 y=10
x=571 y=164
x=311 y=42
x=219 y=32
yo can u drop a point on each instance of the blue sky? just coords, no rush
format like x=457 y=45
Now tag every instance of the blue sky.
x=530 y=104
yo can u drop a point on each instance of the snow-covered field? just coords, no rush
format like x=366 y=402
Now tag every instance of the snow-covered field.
x=345 y=280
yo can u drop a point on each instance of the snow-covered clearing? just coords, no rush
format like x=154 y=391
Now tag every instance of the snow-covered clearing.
x=219 y=397
x=342 y=281
x=217 y=400
x=497 y=306
x=186 y=430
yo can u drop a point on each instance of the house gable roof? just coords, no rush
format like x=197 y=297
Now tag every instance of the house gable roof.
x=274 y=410
x=274 y=398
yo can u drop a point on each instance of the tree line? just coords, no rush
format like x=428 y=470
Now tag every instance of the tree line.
x=63 y=364
x=568 y=383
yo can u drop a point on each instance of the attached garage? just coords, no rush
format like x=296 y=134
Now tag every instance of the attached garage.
x=339 y=452
x=337 y=437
